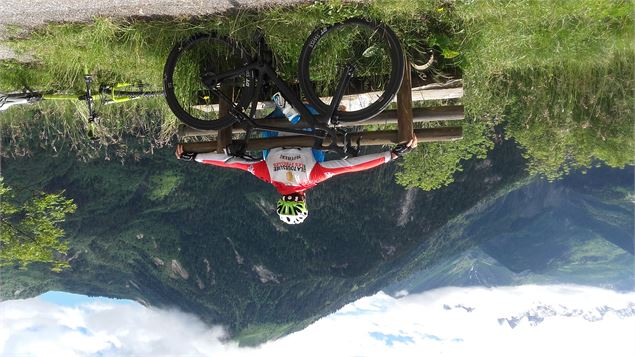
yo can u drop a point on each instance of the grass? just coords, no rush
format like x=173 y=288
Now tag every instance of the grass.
x=593 y=124
x=561 y=70
x=559 y=75
x=545 y=33
x=135 y=50
x=564 y=38
x=254 y=335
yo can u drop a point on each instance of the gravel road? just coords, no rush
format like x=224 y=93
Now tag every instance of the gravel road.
x=34 y=13
x=37 y=12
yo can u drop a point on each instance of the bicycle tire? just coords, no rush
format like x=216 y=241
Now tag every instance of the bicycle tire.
x=387 y=52
x=199 y=53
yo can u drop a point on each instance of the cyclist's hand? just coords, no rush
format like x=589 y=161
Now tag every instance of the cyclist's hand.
x=235 y=148
x=179 y=151
x=402 y=149
x=182 y=155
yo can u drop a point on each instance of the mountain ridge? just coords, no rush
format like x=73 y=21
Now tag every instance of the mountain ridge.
x=565 y=230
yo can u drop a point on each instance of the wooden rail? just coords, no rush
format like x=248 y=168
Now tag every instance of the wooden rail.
x=422 y=93
x=383 y=137
x=454 y=112
x=404 y=117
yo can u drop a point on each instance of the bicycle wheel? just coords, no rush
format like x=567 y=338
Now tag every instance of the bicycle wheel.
x=206 y=56
x=376 y=55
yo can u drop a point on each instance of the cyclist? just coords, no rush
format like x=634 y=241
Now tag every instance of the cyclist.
x=293 y=170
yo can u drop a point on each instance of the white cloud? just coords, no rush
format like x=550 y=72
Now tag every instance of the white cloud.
x=546 y=320
x=465 y=321
x=34 y=327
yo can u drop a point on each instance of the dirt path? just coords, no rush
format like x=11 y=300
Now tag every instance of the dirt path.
x=34 y=13
x=37 y=12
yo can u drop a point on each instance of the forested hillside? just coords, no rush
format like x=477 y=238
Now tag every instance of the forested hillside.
x=207 y=240
x=578 y=230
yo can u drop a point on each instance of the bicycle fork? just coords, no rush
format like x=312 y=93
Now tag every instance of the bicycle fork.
x=88 y=97
x=333 y=120
x=345 y=78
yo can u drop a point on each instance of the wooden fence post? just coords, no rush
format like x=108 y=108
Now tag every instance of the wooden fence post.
x=224 y=135
x=404 y=106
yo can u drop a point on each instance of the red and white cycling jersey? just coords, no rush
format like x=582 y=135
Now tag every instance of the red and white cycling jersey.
x=292 y=170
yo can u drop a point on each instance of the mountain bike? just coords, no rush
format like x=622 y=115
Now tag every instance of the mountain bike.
x=357 y=60
x=106 y=94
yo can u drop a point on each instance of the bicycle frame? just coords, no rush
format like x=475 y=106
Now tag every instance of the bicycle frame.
x=106 y=94
x=321 y=126
x=117 y=94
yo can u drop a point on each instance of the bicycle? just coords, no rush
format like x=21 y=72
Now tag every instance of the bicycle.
x=341 y=60
x=107 y=94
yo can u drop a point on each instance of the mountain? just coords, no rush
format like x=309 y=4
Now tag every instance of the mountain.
x=539 y=314
x=578 y=230
x=207 y=240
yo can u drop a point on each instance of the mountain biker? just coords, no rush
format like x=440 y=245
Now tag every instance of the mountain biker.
x=293 y=170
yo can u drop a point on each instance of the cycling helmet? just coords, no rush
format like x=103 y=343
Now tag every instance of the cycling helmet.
x=292 y=208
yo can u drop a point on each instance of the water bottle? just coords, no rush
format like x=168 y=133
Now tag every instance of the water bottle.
x=286 y=108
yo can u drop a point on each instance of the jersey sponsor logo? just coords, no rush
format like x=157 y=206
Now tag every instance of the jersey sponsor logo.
x=289 y=166
x=251 y=169
x=290 y=158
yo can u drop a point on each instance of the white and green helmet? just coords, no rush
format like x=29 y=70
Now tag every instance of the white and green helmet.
x=292 y=209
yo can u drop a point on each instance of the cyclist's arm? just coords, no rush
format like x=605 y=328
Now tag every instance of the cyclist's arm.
x=224 y=160
x=257 y=167
x=325 y=170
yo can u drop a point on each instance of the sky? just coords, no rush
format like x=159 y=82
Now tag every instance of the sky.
x=70 y=300
x=525 y=320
